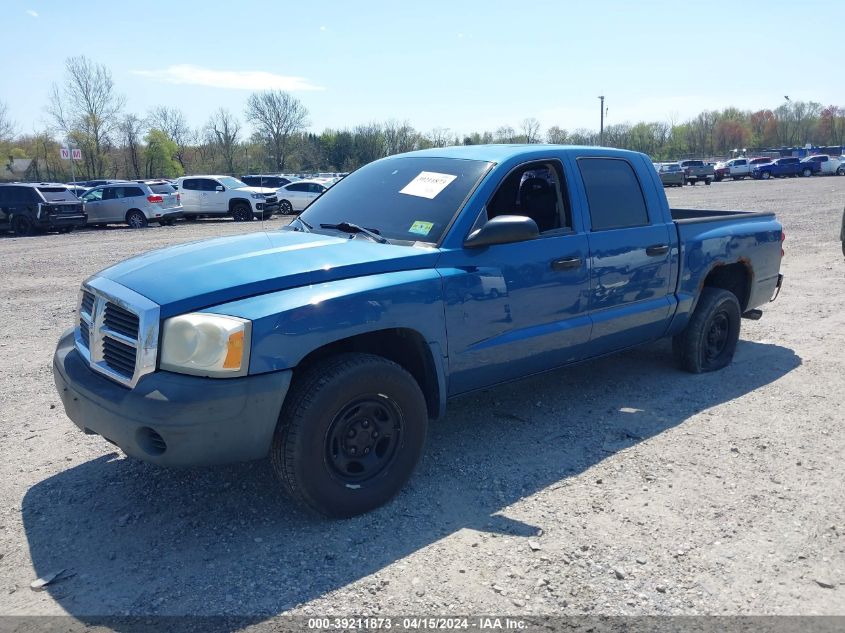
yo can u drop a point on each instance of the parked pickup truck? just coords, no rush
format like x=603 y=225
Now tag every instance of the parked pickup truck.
x=698 y=171
x=737 y=168
x=329 y=344
x=216 y=196
x=26 y=208
x=782 y=167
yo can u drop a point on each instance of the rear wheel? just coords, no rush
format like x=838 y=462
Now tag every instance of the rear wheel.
x=136 y=220
x=350 y=434
x=22 y=226
x=707 y=181
x=709 y=340
x=241 y=212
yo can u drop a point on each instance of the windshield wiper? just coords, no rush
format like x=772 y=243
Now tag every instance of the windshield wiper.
x=348 y=227
x=304 y=223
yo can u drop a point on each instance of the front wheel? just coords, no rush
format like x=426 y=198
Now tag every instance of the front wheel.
x=766 y=175
x=286 y=207
x=241 y=213
x=841 y=170
x=709 y=341
x=807 y=173
x=350 y=434
x=707 y=181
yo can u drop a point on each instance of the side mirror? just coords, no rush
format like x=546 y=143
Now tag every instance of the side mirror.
x=503 y=229
x=220 y=188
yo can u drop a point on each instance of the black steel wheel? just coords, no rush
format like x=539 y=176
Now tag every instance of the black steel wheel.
x=350 y=434
x=709 y=341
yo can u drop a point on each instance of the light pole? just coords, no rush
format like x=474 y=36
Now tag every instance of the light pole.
x=601 y=125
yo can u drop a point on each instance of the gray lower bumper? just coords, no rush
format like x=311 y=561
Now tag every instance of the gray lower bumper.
x=197 y=421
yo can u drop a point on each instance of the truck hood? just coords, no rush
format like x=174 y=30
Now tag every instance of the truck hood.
x=210 y=272
x=265 y=190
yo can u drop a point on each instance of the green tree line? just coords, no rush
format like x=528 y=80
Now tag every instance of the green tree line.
x=86 y=110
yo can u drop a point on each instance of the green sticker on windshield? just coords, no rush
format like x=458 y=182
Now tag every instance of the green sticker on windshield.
x=421 y=228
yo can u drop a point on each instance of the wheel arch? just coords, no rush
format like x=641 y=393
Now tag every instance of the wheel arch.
x=405 y=347
x=735 y=277
x=236 y=201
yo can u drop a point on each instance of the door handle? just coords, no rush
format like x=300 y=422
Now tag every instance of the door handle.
x=657 y=249
x=566 y=263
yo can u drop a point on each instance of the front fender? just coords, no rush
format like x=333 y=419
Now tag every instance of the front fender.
x=289 y=324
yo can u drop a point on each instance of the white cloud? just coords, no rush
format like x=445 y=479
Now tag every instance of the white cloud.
x=231 y=79
x=322 y=28
x=32 y=13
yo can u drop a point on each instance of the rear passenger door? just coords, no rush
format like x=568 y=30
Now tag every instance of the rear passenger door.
x=630 y=249
x=190 y=194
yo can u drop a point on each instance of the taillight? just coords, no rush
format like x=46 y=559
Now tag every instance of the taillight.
x=155 y=199
x=782 y=240
x=178 y=198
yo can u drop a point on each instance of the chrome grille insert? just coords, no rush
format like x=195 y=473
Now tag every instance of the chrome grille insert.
x=118 y=331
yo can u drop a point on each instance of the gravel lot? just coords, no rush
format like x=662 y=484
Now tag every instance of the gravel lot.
x=623 y=486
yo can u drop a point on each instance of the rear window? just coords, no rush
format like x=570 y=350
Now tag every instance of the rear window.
x=57 y=194
x=162 y=188
x=613 y=193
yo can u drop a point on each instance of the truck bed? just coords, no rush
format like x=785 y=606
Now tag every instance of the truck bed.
x=689 y=216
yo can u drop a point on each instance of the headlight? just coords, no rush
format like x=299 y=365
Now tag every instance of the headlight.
x=206 y=345
x=257 y=196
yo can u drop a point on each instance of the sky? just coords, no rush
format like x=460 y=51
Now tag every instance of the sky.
x=465 y=65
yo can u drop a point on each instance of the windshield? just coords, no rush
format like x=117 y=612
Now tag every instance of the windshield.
x=409 y=198
x=57 y=194
x=231 y=183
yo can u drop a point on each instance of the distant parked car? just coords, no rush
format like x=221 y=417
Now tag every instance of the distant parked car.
x=220 y=196
x=96 y=183
x=671 y=174
x=273 y=181
x=296 y=196
x=698 y=171
x=736 y=168
x=783 y=167
x=828 y=165
x=76 y=189
x=135 y=203
x=27 y=208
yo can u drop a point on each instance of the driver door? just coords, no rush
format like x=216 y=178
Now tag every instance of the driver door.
x=521 y=308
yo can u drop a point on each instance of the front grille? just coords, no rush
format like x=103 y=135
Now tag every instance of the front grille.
x=118 y=331
x=270 y=199
x=119 y=356
x=121 y=321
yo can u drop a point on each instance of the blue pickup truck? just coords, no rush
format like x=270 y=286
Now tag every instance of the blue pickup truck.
x=782 y=167
x=329 y=344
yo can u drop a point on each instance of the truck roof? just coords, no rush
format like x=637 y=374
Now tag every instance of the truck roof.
x=500 y=153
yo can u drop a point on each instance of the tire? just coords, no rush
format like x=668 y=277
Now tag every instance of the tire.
x=192 y=218
x=330 y=416
x=285 y=207
x=136 y=220
x=707 y=181
x=766 y=175
x=22 y=226
x=709 y=341
x=717 y=178
x=241 y=212
x=736 y=177
x=840 y=171
x=807 y=173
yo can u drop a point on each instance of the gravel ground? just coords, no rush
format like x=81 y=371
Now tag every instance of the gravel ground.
x=622 y=486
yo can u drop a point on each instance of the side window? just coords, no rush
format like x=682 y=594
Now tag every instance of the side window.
x=252 y=181
x=536 y=190
x=93 y=196
x=109 y=193
x=191 y=184
x=613 y=193
x=739 y=163
x=315 y=188
x=207 y=184
x=298 y=187
x=130 y=192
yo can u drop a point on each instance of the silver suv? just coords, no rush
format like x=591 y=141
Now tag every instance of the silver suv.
x=133 y=203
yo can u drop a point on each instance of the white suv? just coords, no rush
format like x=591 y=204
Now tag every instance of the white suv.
x=225 y=196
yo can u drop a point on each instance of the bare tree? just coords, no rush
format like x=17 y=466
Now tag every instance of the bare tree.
x=440 y=137
x=556 y=135
x=7 y=126
x=87 y=108
x=399 y=137
x=531 y=130
x=131 y=132
x=277 y=115
x=505 y=134
x=224 y=129
x=172 y=122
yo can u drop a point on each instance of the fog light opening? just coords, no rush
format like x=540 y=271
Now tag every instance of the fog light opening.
x=150 y=441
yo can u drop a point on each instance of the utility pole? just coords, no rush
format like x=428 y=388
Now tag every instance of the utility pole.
x=601 y=128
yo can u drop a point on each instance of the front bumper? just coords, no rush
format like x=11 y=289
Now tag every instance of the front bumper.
x=265 y=209
x=171 y=419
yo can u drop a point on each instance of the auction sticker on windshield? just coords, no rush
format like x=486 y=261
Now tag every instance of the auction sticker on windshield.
x=427 y=184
